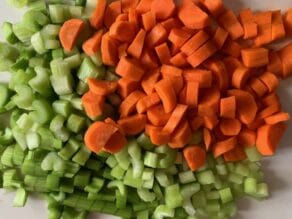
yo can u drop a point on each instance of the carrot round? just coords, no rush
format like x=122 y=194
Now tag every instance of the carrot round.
x=269 y=110
x=194 y=43
x=247 y=137
x=96 y=19
x=220 y=37
x=133 y=125
x=277 y=118
x=207 y=138
x=258 y=87
x=163 y=9
x=222 y=147
x=181 y=136
x=286 y=58
x=288 y=22
x=101 y=87
x=128 y=106
x=93 y=104
x=270 y=80
x=231 y=64
x=249 y=25
x=127 y=86
x=192 y=94
x=179 y=36
x=149 y=59
x=275 y=64
x=209 y=103
x=229 y=22
x=230 y=127
x=157 y=116
x=175 y=118
x=278 y=29
x=271 y=99
x=69 y=33
x=196 y=122
x=195 y=157
x=228 y=107
x=240 y=77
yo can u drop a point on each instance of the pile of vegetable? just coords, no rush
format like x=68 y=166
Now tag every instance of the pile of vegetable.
x=140 y=109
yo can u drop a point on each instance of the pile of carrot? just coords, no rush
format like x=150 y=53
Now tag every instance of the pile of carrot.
x=184 y=68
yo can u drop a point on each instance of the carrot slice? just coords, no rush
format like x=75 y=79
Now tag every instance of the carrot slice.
x=286 y=58
x=144 y=6
x=133 y=125
x=157 y=116
x=229 y=22
x=157 y=136
x=269 y=110
x=136 y=47
x=203 y=77
x=258 y=87
x=255 y=57
x=210 y=121
x=223 y=147
x=215 y=7
x=128 y=4
x=163 y=9
x=148 y=20
x=146 y=102
x=248 y=23
x=163 y=53
x=171 y=23
x=277 y=118
x=220 y=37
x=93 y=104
x=69 y=33
x=195 y=42
x=231 y=64
x=230 y=127
x=247 y=137
x=126 y=86
x=122 y=50
x=101 y=87
x=209 y=104
x=174 y=75
x=128 y=106
x=109 y=50
x=240 y=77
x=232 y=48
x=181 y=136
x=116 y=143
x=93 y=44
x=264 y=22
x=192 y=94
x=179 y=36
x=130 y=68
x=268 y=138
x=219 y=70
x=179 y=60
x=112 y=11
x=123 y=31
x=278 y=29
x=288 y=21
x=122 y=17
x=133 y=17
x=195 y=157
x=271 y=99
x=175 y=118
x=149 y=80
x=167 y=94
x=207 y=138
x=149 y=59
x=270 y=80
x=228 y=107
x=156 y=36
x=234 y=155
x=96 y=19
x=275 y=64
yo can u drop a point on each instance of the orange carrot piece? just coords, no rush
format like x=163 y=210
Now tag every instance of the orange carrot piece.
x=123 y=31
x=192 y=16
x=133 y=125
x=181 y=136
x=148 y=20
x=288 y=21
x=207 y=138
x=122 y=50
x=255 y=57
x=209 y=104
x=230 y=127
x=112 y=11
x=69 y=33
x=149 y=81
x=258 y=87
x=171 y=23
x=163 y=53
x=192 y=94
x=116 y=143
x=130 y=68
x=96 y=19
x=275 y=64
x=232 y=48
x=271 y=99
x=157 y=116
x=245 y=105
x=156 y=36
x=235 y=155
x=167 y=94
x=109 y=50
x=202 y=76
x=175 y=118
x=223 y=147
x=278 y=29
x=269 y=110
x=196 y=123
x=195 y=43
x=149 y=59
x=146 y=102
x=264 y=22
x=248 y=23
x=220 y=37
x=174 y=75
x=240 y=77
x=144 y=6
x=179 y=36
x=195 y=157
x=101 y=87
x=228 y=107
x=229 y=22
x=211 y=121
x=93 y=104
x=157 y=136
x=179 y=60
x=133 y=17
x=93 y=44
x=126 y=86
x=247 y=137
x=128 y=106
x=136 y=47
x=286 y=58
x=270 y=80
x=215 y=7
x=109 y=120
x=231 y=64
x=268 y=138
x=220 y=72
x=163 y=9
x=128 y=4
x=122 y=17
x=277 y=118
x=202 y=54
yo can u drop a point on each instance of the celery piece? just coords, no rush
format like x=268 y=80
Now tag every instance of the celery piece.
x=56 y=126
x=75 y=11
x=82 y=155
x=58 y=13
x=97 y=59
x=36 y=61
x=188 y=190
x=118 y=172
x=38 y=43
x=186 y=177
x=58 y=54
x=19 y=137
x=146 y=195
x=6 y=158
x=262 y=190
x=80 y=2
x=82 y=178
x=111 y=161
x=62 y=83
x=95 y=185
x=62 y=107
x=22 y=32
x=20 y=64
x=8 y=34
x=123 y=158
x=235 y=178
x=50 y=31
x=73 y=61
x=221 y=169
x=37 y=5
x=6 y=138
x=32 y=140
x=94 y=165
x=144 y=141
x=75 y=123
x=226 y=195
x=162 y=211
x=250 y=186
x=8 y=51
x=20 y=78
x=20 y=198
x=206 y=177
x=162 y=178
x=5 y=64
x=142 y=214
x=199 y=199
x=53 y=182
x=82 y=88
x=173 y=197
x=151 y=159
x=4 y=95
x=89 y=70
x=253 y=154
x=18 y=155
x=42 y=111
x=129 y=180
x=41 y=82
x=70 y=149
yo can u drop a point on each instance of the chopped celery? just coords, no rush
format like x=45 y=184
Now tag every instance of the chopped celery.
x=8 y=34
x=20 y=198
x=89 y=69
x=173 y=198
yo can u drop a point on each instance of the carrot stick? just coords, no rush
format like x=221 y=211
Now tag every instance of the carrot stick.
x=268 y=138
x=270 y=80
x=194 y=43
x=128 y=106
x=202 y=76
x=235 y=155
x=230 y=127
x=181 y=136
x=195 y=157
x=223 y=147
x=278 y=29
x=275 y=64
x=163 y=53
x=258 y=87
x=179 y=36
x=157 y=116
x=174 y=75
x=264 y=22
x=149 y=59
x=192 y=94
x=229 y=22
x=148 y=20
x=167 y=94
x=247 y=137
x=240 y=77
x=96 y=19
x=156 y=36
x=144 y=6
x=163 y=9
x=133 y=125
x=123 y=31
x=207 y=138
x=288 y=22
x=255 y=57
x=126 y=86
x=116 y=143
x=146 y=102
x=112 y=11
x=277 y=118
x=128 y=4
x=136 y=47
x=93 y=104
x=175 y=118
x=157 y=136
x=179 y=60
x=286 y=58
x=228 y=107
x=69 y=33
x=219 y=70
x=215 y=7
x=101 y=87
x=210 y=121
x=220 y=37
x=130 y=68
x=248 y=23
x=93 y=44
x=109 y=50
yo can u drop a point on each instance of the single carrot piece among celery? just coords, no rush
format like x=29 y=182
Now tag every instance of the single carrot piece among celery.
x=195 y=157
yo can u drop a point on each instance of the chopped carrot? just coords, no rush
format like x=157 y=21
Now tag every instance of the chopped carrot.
x=163 y=9
x=230 y=127
x=182 y=96
x=116 y=143
x=209 y=103
x=93 y=44
x=288 y=21
x=247 y=137
x=240 y=77
x=228 y=107
x=127 y=86
x=195 y=157
x=192 y=16
x=157 y=116
x=128 y=106
x=278 y=29
x=232 y=48
x=220 y=37
x=101 y=87
x=146 y=102
x=96 y=19
x=210 y=121
x=122 y=17
x=264 y=22
x=215 y=7
x=286 y=58
x=109 y=120
x=122 y=50
x=149 y=59
x=163 y=53
x=270 y=80
x=258 y=87
x=269 y=110
x=133 y=17
x=114 y=99
x=174 y=75
x=277 y=118
x=207 y=138
x=93 y=104
x=133 y=125
x=231 y=64
x=109 y=50
x=235 y=155
x=229 y=22
x=128 y=4
x=245 y=105
x=149 y=81
x=181 y=136
x=275 y=64
x=157 y=136
x=223 y=147
x=255 y=57
x=268 y=138
x=179 y=36
x=113 y=10
x=175 y=118
x=136 y=47
x=271 y=99
x=248 y=23
x=130 y=68
x=171 y=23
x=256 y=124
x=148 y=20
x=123 y=31
x=219 y=70
x=166 y=93
x=192 y=94
x=156 y=36
x=202 y=76
x=196 y=122
x=69 y=33
x=144 y=6
x=194 y=43
x=179 y=60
